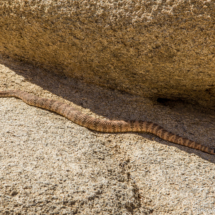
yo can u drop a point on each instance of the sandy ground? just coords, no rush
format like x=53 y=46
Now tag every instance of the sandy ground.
x=49 y=165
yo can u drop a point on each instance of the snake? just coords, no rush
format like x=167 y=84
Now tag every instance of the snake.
x=103 y=125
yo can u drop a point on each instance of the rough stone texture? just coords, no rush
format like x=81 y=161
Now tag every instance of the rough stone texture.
x=151 y=48
x=49 y=165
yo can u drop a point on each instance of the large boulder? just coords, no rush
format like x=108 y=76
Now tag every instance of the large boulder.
x=160 y=49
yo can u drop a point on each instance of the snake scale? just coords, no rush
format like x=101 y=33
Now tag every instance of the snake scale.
x=103 y=125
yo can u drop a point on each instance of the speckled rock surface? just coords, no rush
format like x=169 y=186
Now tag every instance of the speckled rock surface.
x=49 y=165
x=159 y=49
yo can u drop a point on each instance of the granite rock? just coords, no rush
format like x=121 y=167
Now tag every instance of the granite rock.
x=157 y=49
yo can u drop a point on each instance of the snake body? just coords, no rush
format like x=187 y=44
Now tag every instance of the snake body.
x=103 y=125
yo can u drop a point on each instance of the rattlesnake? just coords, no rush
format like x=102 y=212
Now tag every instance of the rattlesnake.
x=103 y=125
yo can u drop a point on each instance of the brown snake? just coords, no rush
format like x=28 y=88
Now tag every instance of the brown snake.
x=103 y=125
